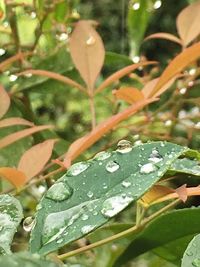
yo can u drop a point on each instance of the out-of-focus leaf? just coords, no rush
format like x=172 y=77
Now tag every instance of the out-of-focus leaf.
x=113 y=59
x=4 y=101
x=129 y=94
x=191 y=256
x=19 y=56
x=177 y=65
x=188 y=23
x=26 y=259
x=85 y=142
x=165 y=36
x=11 y=215
x=121 y=73
x=186 y=166
x=16 y=177
x=171 y=226
x=87 y=52
x=15 y=121
x=75 y=206
x=34 y=159
x=21 y=134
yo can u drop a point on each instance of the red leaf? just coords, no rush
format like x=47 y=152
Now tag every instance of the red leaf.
x=34 y=159
x=165 y=36
x=16 y=177
x=15 y=121
x=4 y=101
x=8 y=140
x=129 y=94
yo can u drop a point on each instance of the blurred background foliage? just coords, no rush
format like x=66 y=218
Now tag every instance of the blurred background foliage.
x=42 y=28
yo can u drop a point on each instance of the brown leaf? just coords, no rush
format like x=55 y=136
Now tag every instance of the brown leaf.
x=16 y=177
x=34 y=159
x=4 y=101
x=121 y=73
x=182 y=192
x=129 y=94
x=15 y=121
x=164 y=35
x=8 y=140
x=85 y=142
x=181 y=61
x=87 y=52
x=188 y=23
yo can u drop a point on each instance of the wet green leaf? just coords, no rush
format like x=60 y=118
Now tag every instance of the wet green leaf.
x=186 y=166
x=191 y=256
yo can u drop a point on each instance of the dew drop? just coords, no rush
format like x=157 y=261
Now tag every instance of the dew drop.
x=2 y=51
x=78 y=168
x=155 y=157
x=13 y=78
x=147 y=168
x=84 y=217
x=59 y=192
x=86 y=229
x=59 y=241
x=124 y=146
x=196 y=262
x=102 y=155
x=112 y=166
x=28 y=223
x=189 y=253
x=90 y=194
x=90 y=41
x=126 y=184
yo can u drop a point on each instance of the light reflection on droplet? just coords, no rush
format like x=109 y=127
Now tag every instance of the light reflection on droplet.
x=157 y=4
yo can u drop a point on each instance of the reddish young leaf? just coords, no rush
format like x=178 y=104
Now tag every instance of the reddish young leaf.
x=16 y=177
x=121 y=73
x=181 y=61
x=8 y=140
x=164 y=35
x=15 y=121
x=34 y=159
x=87 y=52
x=129 y=94
x=188 y=23
x=85 y=142
x=4 y=101
x=182 y=192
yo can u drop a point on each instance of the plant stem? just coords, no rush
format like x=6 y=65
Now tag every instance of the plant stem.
x=122 y=234
x=92 y=110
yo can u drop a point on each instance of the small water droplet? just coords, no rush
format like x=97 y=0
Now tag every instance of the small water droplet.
x=90 y=194
x=86 y=229
x=90 y=41
x=84 y=217
x=28 y=223
x=126 y=184
x=59 y=241
x=147 y=168
x=78 y=168
x=59 y=192
x=2 y=51
x=102 y=155
x=189 y=253
x=155 y=157
x=13 y=78
x=112 y=166
x=196 y=262
x=124 y=146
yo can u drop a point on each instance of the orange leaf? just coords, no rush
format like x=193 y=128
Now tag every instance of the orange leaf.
x=164 y=35
x=4 y=101
x=15 y=121
x=129 y=94
x=8 y=140
x=87 y=52
x=121 y=73
x=188 y=23
x=16 y=177
x=181 y=61
x=182 y=192
x=85 y=142
x=34 y=159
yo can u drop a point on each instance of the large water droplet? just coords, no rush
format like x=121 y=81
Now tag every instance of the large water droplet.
x=124 y=146
x=155 y=157
x=114 y=205
x=86 y=229
x=78 y=168
x=112 y=166
x=91 y=40
x=28 y=223
x=102 y=155
x=59 y=192
x=147 y=168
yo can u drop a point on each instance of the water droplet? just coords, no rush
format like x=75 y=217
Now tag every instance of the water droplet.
x=126 y=184
x=157 y=4
x=102 y=155
x=155 y=157
x=189 y=253
x=112 y=166
x=136 y=6
x=59 y=241
x=90 y=194
x=2 y=52
x=86 y=229
x=105 y=186
x=84 y=217
x=90 y=41
x=78 y=168
x=124 y=146
x=28 y=223
x=147 y=168
x=59 y=192
x=13 y=78
x=114 y=205
x=196 y=262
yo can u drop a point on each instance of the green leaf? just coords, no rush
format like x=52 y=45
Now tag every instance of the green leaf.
x=27 y=260
x=95 y=191
x=11 y=215
x=186 y=166
x=160 y=232
x=191 y=256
